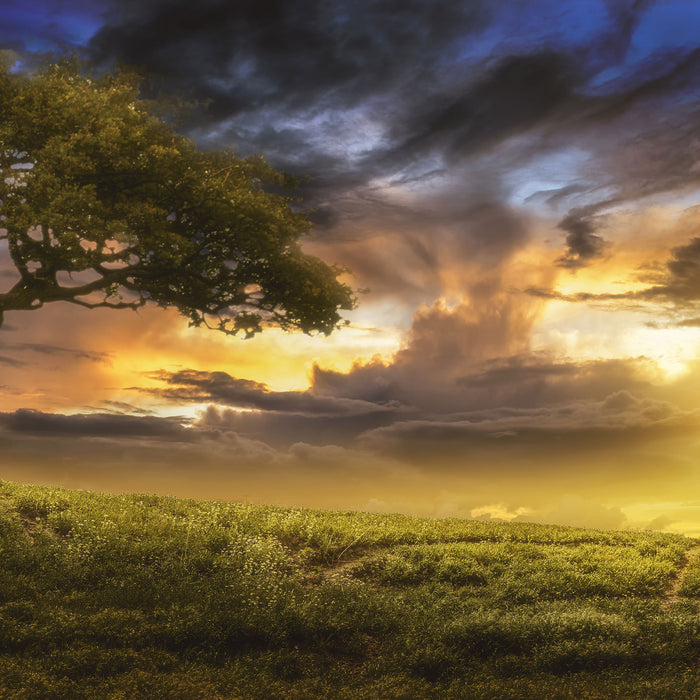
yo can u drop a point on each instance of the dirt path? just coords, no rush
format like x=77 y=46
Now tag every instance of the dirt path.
x=672 y=593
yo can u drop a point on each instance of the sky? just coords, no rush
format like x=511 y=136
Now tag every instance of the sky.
x=515 y=189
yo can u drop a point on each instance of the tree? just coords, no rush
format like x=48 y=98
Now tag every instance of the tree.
x=103 y=204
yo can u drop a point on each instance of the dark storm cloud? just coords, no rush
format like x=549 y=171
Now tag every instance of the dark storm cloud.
x=683 y=281
x=419 y=92
x=527 y=381
x=583 y=244
x=282 y=430
x=92 y=424
x=526 y=399
x=219 y=387
x=519 y=383
x=519 y=93
x=677 y=283
x=592 y=427
x=409 y=65
x=632 y=153
x=250 y=54
x=452 y=369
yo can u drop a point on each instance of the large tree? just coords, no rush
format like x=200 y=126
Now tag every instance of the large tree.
x=103 y=204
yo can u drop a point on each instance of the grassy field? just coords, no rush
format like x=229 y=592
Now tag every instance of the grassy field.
x=155 y=597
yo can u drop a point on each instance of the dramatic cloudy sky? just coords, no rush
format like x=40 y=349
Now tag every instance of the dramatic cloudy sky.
x=516 y=187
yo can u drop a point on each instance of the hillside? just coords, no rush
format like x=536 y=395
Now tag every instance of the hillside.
x=156 y=597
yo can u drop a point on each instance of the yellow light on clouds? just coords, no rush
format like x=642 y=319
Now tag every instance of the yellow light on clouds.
x=585 y=334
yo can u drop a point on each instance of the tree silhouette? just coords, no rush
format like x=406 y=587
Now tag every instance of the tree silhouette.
x=103 y=204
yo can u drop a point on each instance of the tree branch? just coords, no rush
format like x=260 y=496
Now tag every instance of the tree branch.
x=107 y=305
x=108 y=277
x=32 y=292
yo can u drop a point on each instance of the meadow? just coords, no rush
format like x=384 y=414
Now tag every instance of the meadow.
x=143 y=596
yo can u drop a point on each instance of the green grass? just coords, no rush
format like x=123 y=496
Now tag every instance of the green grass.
x=156 y=597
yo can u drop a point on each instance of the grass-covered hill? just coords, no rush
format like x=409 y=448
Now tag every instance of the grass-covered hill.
x=154 y=597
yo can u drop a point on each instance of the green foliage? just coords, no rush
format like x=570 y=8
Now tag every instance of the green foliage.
x=146 y=596
x=103 y=204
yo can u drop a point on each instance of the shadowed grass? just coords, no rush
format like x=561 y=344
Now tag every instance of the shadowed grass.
x=145 y=596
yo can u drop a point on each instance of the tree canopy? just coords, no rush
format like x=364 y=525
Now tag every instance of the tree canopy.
x=104 y=204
